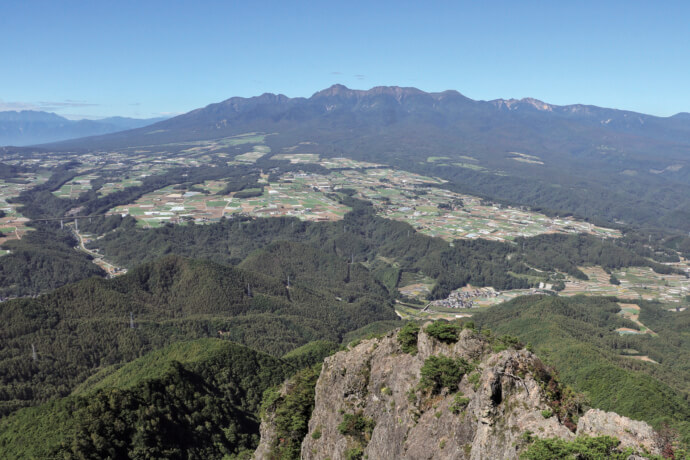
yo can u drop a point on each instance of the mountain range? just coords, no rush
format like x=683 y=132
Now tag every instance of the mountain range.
x=389 y=106
x=602 y=164
x=29 y=127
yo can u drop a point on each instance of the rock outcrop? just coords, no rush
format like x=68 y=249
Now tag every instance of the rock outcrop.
x=631 y=433
x=369 y=403
x=268 y=433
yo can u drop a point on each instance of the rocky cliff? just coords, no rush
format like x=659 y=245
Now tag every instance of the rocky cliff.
x=452 y=394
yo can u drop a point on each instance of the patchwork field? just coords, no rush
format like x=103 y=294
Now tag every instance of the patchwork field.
x=329 y=163
x=297 y=158
x=418 y=200
x=396 y=194
x=635 y=283
x=75 y=187
x=112 y=187
x=415 y=285
x=255 y=154
x=172 y=204
x=13 y=224
x=213 y=145
x=411 y=198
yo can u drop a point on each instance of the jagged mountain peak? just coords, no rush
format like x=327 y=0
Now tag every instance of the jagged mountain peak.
x=265 y=98
x=30 y=116
x=339 y=90
x=334 y=90
x=526 y=102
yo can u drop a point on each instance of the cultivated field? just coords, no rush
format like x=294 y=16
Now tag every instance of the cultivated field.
x=631 y=311
x=635 y=283
x=180 y=205
x=75 y=187
x=417 y=200
x=13 y=225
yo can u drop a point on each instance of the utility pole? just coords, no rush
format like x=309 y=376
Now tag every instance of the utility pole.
x=288 y=280
x=249 y=290
x=131 y=320
x=62 y=224
x=33 y=352
x=76 y=224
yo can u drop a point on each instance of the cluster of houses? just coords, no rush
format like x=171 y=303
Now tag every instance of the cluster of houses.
x=464 y=298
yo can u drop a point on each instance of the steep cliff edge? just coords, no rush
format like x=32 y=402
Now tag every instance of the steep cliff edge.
x=444 y=393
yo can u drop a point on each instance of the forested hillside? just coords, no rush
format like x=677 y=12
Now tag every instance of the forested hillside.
x=41 y=261
x=196 y=399
x=80 y=328
x=577 y=336
x=135 y=409
x=362 y=236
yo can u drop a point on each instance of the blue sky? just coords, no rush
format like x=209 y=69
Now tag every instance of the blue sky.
x=152 y=58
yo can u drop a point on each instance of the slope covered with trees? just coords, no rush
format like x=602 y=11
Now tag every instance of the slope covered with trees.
x=41 y=261
x=364 y=237
x=79 y=328
x=577 y=336
x=45 y=259
x=197 y=399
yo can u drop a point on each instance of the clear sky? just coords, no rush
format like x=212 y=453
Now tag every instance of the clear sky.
x=150 y=58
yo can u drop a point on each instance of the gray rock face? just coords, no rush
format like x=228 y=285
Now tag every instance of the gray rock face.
x=631 y=433
x=268 y=433
x=377 y=377
x=379 y=382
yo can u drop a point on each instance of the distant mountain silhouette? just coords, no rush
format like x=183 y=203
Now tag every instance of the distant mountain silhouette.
x=29 y=127
x=341 y=108
x=594 y=161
